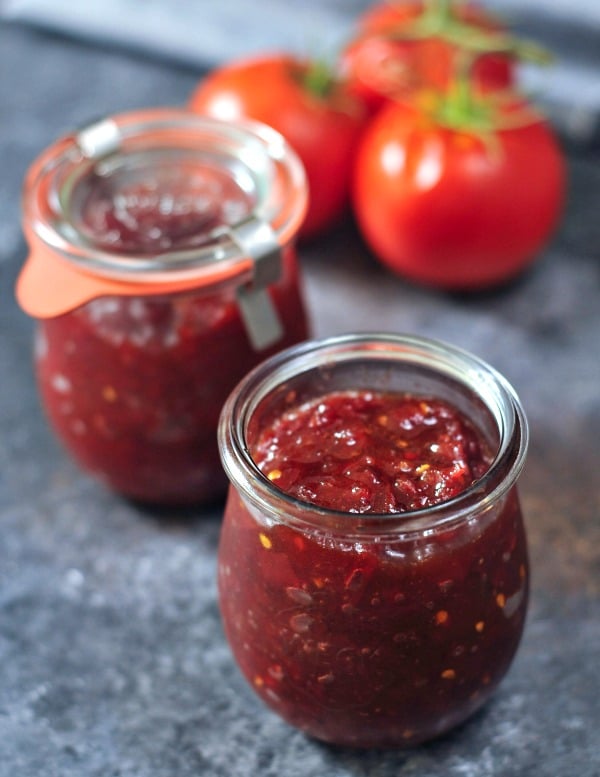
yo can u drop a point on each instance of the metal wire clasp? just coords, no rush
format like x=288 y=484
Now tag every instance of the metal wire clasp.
x=99 y=139
x=258 y=241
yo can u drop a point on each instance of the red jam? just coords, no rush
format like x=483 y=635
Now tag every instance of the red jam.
x=173 y=209
x=366 y=638
x=134 y=385
x=364 y=452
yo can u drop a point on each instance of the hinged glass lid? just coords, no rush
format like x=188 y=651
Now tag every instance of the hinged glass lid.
x=161 y=191
x=157 y=201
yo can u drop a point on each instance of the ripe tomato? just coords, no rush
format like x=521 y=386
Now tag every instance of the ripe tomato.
x=322 y=124
x=384 y=59
x=450 y=209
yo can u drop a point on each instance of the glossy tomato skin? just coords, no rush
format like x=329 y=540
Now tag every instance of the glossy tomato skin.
x=324 y=130
x=379 y=67
x=450 y=209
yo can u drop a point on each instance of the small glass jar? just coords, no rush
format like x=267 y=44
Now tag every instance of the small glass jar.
x=373 y=630
x=161 y=269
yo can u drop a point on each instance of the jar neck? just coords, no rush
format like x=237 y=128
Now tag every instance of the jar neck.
x=385 y=362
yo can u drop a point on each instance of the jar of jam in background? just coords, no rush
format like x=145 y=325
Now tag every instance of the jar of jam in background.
x=161 y=270
x=363 y=628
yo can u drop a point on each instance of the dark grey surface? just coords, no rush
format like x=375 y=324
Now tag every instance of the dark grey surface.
x=112 y=659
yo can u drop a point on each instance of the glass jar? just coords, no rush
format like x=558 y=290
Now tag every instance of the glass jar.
x=364 y=629
x=161 y=269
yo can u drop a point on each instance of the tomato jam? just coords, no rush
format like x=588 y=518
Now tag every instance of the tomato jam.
x=173 y=209
x=134 y=385
x=160 y=213
x=373 y=570
x=362 y=452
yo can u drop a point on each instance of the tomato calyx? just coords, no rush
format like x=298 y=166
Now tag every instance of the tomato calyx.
x=317 y=78
x=463 y=108
x=442 y=19
x=321 y=84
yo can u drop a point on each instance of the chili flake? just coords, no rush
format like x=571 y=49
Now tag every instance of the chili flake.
x=355 y=579
x=265 y=541
x=522 y=571
x=109 y=394
x=326 y=679
x=441 y=616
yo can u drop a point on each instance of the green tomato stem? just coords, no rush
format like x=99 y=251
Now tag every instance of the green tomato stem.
x=318 y=79
x=440 y=12
x=440 y=19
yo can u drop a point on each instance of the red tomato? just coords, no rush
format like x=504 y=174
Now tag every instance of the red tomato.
x=451 y=209
x=322 y=128
x=378 y=63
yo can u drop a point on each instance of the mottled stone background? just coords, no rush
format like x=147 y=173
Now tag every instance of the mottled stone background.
x=112 y=658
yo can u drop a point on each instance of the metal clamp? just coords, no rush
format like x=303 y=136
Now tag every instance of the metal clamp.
x=99 y=139
x=258 y=241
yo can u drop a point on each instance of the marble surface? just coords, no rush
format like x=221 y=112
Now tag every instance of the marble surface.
x=112 y=657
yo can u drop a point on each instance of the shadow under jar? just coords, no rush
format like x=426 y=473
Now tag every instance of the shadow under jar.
x=161 y=270
x=362 y=628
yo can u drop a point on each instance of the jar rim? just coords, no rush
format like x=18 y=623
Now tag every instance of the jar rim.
x=465 y=368
x=275 y=170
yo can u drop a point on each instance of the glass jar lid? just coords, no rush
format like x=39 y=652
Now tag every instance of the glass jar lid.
x=157 y=200
x=229 y=173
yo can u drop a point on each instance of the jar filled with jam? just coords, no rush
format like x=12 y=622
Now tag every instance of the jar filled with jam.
x=373 y=570
x=161 y=270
